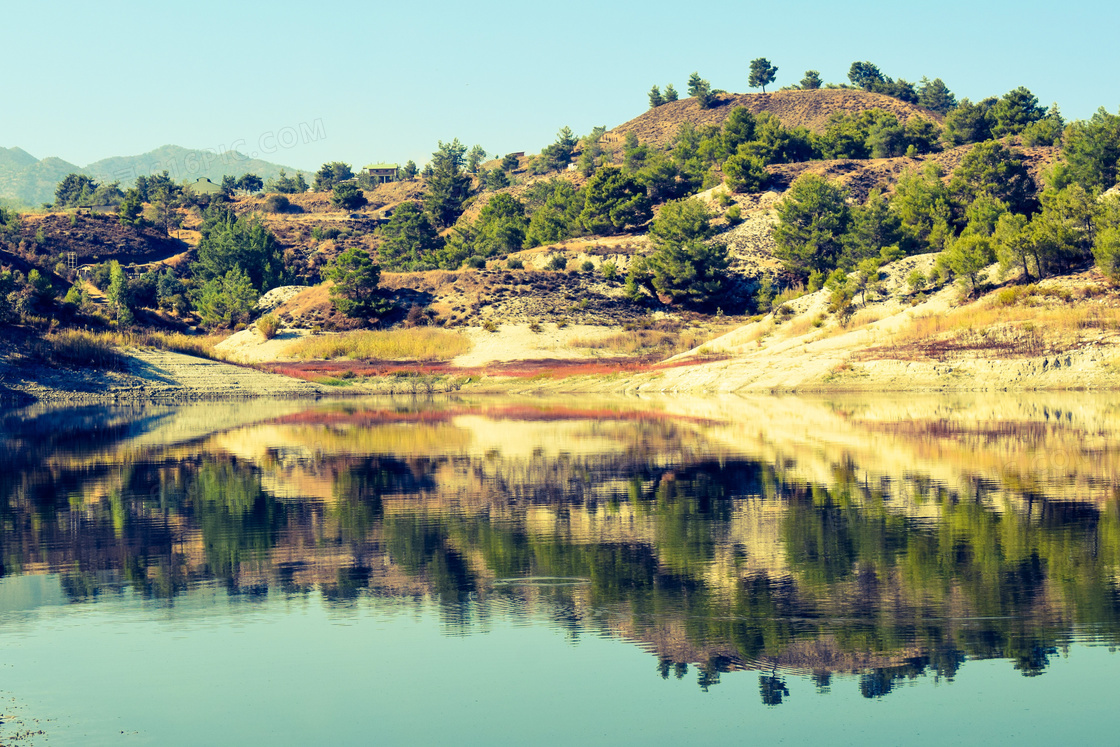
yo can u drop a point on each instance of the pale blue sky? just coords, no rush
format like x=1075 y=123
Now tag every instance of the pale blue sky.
x=373 y=81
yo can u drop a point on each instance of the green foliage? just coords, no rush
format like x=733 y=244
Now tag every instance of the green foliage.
x=609 y=270
x=448 y=186
x=75 y=190
x=409 y=171
x=865 y=75
x=812 y=80
x=762 y=73
x=157 y=187
x=475 y=157
x=925 y=209
x=936 y=96
x=873 y=227
x=251 y=183
x=277 y=204
x=1065 y=227
x=117 y=294
x=355 y=277
x=330 y=174
x=1106 y=243
x=1045 y=131
x=558 y=155
x=1091 y=151
x=990 y=168
x=509 y=162
x=495 y=179
x=969 y=123
x=613 y=202
x=670 y=93
x=655 y=97
x=773 y=143
x=501 y=226
x=1015 y=110
x=683 y=268
x=288 y=185
x=745 y=173
x=244 y=244
x=983 y=213
x=409 y=241
x=348 y=196
x=701 y=90
x=875 y=133
x=591 y=153
x=967 y=256
x=738 y=129
x=130 y=209
x=226 y=300
x=557 y=263
x=1014 y=244
x=269 y=325
x=556 y=210
x=812 y=219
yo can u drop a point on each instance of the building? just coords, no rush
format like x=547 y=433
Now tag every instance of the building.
x=203 y=186
x=380 y=173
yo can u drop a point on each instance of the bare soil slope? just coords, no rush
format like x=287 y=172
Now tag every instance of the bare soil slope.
x=808 y=109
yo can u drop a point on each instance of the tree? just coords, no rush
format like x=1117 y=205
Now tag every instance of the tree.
x=1014 y=243
x=348 y=196
x=558 y=155
x=1091 y=151
x=694 y=83
x=745 y=173
x=409 y=240
x=655 y=98
x=288 y=185
x=812 y=219
x=762 y=73
x=701 y=90
x=613 y=202
x=812 y=80
x=475 y=157
x=495 y=179
x=738 y=128
x=865 y=75
x=355 y=277
x=330 y=174
x=1106 y=243
x=969 y=123
x=229 y=242
x=967 y=256
x=75 y=189
x=448 y=186
x=130 y=209
x=409 y=171
x=1045 y=131
x=556 y=212
x=117 y=294
x=510 y=162
x=251 y=183
x=227 y=300
x=1015 y=110
x=683 y=268
x=991 y=168
x=873 y=227
x=936 y=96
x=924 y=208
x=501 y=226
x=670 y=93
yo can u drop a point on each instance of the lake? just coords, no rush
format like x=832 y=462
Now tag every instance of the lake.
x=906 y=569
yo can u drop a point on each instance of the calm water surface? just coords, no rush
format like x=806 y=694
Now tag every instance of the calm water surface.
x=903 y=570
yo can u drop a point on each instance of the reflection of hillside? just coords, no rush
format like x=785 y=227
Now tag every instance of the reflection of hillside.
x=812 y=535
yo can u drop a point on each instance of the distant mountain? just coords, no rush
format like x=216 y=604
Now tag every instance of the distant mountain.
x=29 y=181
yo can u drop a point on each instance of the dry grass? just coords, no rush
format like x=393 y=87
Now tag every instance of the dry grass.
x=1018 y=321
x=78 y=348
x=649 y=342
x=419 y=344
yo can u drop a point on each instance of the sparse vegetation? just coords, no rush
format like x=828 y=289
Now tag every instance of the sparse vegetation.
x=419 y=344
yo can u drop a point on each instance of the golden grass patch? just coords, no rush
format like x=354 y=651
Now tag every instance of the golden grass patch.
x=641 y=342
x=419 y=343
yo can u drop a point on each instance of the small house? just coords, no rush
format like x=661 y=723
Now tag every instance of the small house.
x=203 y=186
x=380 y=173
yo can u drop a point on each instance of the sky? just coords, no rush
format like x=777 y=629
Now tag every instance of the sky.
x=303 y=83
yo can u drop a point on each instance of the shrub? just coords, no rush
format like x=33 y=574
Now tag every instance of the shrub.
x=734 y=215
x=268 y=326
x=917 y=281
x=557 y=262
x=515 y=264
x=587 y=266
x=609 y=270
x=476 y=262
x=277 y=204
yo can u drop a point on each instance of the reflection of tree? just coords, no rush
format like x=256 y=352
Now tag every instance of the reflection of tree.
x=238 y=520
x=772 y=689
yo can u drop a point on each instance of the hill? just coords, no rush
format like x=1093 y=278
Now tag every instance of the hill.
x=29 y=181
x=808 y=109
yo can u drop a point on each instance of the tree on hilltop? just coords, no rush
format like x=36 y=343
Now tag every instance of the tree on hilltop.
x=812 y=80
x=670 y=93
x=762 y=72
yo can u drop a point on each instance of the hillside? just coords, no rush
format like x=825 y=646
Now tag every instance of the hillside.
x=808 y=109
x=29 y=181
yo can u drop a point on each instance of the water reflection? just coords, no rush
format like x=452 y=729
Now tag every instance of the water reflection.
x=879 y=541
